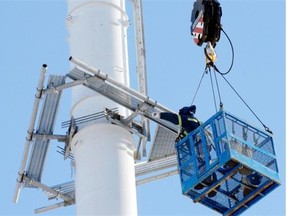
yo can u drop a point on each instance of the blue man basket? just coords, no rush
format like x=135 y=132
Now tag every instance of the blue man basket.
x=227 y=164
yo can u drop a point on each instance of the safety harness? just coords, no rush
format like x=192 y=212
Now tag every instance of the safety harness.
x=183 y=132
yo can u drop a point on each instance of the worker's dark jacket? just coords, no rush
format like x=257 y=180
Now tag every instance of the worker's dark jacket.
x=188 y=122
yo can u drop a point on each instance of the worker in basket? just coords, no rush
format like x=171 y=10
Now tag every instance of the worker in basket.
x=185 y=119
x=188 y=122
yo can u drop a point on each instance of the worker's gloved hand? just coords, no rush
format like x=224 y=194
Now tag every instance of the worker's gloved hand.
x=156 y=115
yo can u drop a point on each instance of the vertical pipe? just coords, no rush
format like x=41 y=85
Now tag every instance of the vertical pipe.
x=30 y=132
x=103 y=153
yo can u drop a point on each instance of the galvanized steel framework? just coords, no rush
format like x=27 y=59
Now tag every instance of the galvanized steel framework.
x=162 y=160
x=162 y=155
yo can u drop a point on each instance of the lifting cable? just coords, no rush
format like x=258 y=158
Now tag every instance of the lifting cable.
x=211 y=61
x=218 y=90
x=207 y=69
x=213 y=89
x=265 y=127
x=211 y=64
x=212 y=85
x=200 y=82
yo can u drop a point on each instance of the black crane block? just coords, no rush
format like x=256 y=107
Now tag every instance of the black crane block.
x=206 y=22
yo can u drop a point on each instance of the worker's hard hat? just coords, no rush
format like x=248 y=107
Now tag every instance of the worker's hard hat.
x=193 y=109
x=188 y=110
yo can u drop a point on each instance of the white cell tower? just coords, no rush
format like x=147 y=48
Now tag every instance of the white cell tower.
x=104 y=117
x=225 y=163
x=103 y=152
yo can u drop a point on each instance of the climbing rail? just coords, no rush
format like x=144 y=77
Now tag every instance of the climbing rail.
x=162 y=161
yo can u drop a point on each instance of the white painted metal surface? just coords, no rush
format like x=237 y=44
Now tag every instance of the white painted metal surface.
x=98 y=37
x=103 y=153
x=105 y=181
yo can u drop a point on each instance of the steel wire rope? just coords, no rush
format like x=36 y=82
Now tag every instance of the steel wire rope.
x=232 y=60
x=210 y=63
x=218 y=89
x=199 y=84
x=265 y=127
x=213 y=92
x=207 y=68
x=223 y=75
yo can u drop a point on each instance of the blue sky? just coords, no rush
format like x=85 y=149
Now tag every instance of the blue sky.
x=34 y=32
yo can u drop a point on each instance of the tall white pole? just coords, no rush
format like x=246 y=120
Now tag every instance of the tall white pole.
x=103 y=152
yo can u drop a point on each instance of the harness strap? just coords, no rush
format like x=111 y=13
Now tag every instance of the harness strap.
x=179 y=120
x=193 y=120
